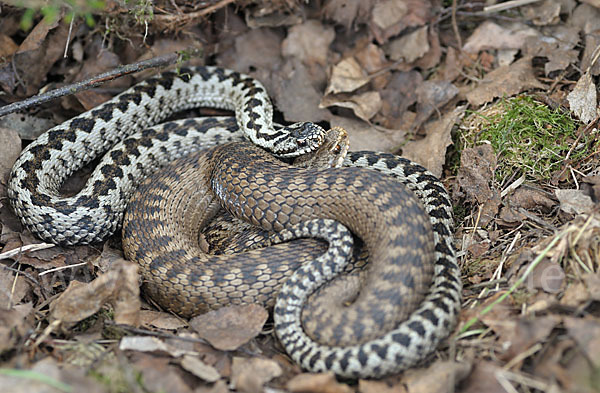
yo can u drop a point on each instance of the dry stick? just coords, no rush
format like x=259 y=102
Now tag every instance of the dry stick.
x=160 y=61
x=186 y=18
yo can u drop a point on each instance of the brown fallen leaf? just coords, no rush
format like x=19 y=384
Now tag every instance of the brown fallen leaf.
x=249 y=375
x=409 y=47
x=104 y=60
x=13 y=288
x=431 y=96
x=119 y=286
x=531 y=198
x=304 y=103
x=157 y=375
x=364 y=105
x=543 y=13
x=582 y=99
x=365 y=136
x=317 y=383
x=574 y=201
x=440 y=377
x=558 y=45
x=527 y=332
x=7 y=46
x=483 y=379
x=398 y=95
x=230 y=327
x=160 y=320
x=28 y=127
x=14 y=324
x=150 y=344
x=346 y=76
x=309 y=42
x=477 y=166
x=575 y=295
x=345 y=12
x=586 y=19
x=390 y=17
x=505 y=81
x=490 y=35
x=200 y=369
x=10 y=147
x=431 y=150
x=586 y=332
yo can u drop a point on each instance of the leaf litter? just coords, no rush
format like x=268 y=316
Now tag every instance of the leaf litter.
x=401 y=76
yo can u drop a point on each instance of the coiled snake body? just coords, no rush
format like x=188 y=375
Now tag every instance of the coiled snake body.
x=40 y=170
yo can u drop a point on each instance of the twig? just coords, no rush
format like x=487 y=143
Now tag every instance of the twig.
x=507 y=5
x=30 y=247
x=160 y=61
x=455 y=26
x=186 y=18
x=154 y=333
x=57 y=269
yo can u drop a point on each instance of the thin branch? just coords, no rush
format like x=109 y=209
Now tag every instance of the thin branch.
x=160 y=61
x=182 y=19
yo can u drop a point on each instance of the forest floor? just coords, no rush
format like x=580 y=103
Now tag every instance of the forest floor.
x=499 y=102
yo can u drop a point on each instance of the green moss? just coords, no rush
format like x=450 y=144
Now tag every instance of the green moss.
x=530 y=138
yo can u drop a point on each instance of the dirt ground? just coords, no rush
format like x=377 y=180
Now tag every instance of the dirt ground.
x=497 y=99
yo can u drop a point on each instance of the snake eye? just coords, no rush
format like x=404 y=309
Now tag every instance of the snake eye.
x=337 y=149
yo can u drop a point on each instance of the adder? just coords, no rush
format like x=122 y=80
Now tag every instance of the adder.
x=96 y=211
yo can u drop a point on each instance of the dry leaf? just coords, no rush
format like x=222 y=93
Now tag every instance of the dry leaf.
x=477 y=166
x=346 y=76
x=161 y=320
x=149 y=344
x=14 y=324
x=230 y=327
x=582 y=99
x=309 y=42
x=28 y=127
x=543 y=13
x=490 y=35
x=574 y=201
x=440 y=377
x=396 y=16
x=7 y=46
x=431 y=150
x=364 y=136
x=364 y=105
x=483 y=378
x=293 y=76
x=586 y=332
x=432 y=95
x=12 y=289
x=200 y=369
x=409 y=47
x=250 y=374
x=505 y=81
x=10 y=148
x=158 y=375
x=531 y=198
x=317 y=383
x=118 y=286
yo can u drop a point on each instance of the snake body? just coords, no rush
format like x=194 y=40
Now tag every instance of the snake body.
x=95 y=212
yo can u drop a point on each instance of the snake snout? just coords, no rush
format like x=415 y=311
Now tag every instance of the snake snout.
x=307 y=134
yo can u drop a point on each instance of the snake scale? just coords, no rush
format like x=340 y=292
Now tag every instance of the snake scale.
x=135 y=151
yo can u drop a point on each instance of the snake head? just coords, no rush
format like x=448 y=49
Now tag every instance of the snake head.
x=302 y=138
x=330 y=154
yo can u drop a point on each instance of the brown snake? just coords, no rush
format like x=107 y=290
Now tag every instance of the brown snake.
x=253 y=185
x=118 y=128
